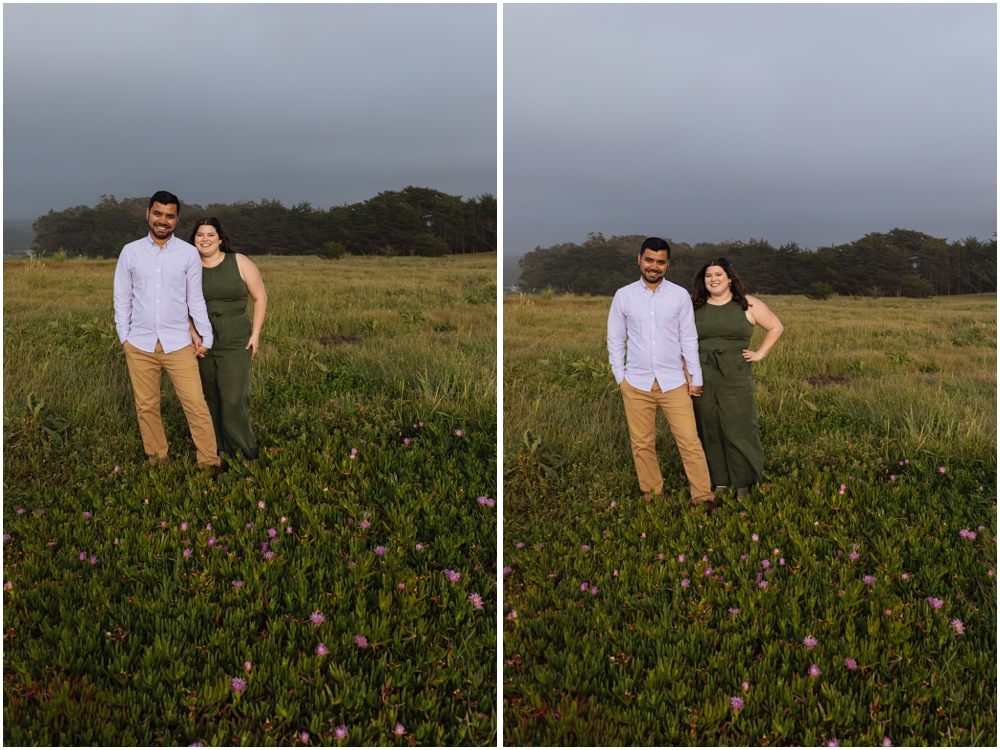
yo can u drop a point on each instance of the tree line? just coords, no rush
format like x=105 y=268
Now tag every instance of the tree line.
x=412 y=221
x=901 y=262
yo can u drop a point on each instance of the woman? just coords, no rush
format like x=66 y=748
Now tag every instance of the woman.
x=226 y=280
x=725 y=412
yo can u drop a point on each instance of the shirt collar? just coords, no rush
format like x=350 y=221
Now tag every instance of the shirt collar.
x=167 y=246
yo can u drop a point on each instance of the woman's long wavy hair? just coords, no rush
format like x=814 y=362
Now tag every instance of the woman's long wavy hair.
x=224 y=245
x=700 y=293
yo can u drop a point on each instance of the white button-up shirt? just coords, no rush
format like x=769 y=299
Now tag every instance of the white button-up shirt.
x=659 y=327
x=155 y=291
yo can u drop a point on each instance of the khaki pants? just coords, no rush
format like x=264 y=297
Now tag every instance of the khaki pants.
x=640 y=409
x=144 y=368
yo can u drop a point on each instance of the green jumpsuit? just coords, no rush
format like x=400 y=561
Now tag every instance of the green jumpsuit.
x=726 y=412
x=225 y=370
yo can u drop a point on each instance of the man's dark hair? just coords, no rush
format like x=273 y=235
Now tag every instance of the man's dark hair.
x=225 y=245
x=655 y=244
x=162 y=196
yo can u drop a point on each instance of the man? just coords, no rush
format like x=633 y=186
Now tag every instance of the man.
x=157 y=286
x=663 y=369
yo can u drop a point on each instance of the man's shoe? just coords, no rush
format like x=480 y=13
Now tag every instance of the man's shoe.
x=222 y=468
x=650 y=498
x=743 y=492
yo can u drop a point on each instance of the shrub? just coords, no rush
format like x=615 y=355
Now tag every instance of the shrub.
x=914 y=286
x=332 y=251
x=430 y=246
x=59 y=257
x=819 y=290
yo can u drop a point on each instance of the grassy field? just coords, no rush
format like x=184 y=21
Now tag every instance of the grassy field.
x=849 y=599
x=309 y=597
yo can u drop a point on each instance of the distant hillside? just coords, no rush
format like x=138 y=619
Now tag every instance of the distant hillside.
x=879 y=264
x=17 y=236
x=511 y=272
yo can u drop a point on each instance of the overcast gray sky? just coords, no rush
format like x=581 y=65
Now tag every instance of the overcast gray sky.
x=807 y=123
x=219 y=103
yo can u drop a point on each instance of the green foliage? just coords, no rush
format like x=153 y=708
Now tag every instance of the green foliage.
x=391 y=219
x=876 y=265
x=429 y=246
x=819 y=290
x=140 y=647
x=869 y=394
x=332 y=251
x=914 y=286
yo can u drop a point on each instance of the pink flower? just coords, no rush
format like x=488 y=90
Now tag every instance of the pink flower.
x=586 y=548
x=888 y=613
x=272 y=533
x=941 y=469
x=118 y=468
x=868 y=580
x=269 y=555
x=380 y=550
x=187 y=552
x=317 y=618
x=116 y=540
x=238 y=685
x=886 y=742
x=86 y=515
x=365 y=524
x=743 y=558
x=512 y=615
x=892 y=477
x=8 y=586
x=163 y=524
x=680 y=558
x=361 y=641
x=814 y=671
x=781 y=561
x=704 y=558
x=755 y=538
x=211 y=541
x=776 y=551
x=451 y=575
x=400 y=730
x=288 y=530
x=614 y=504
x=354 y=453
x=708 y=571
x=765 y=564
x=304 y=736
x=83 y=555
x=283 y=519
x=734 y=611
x=477 y=601
x=959 y=627
x=489 y=502
x=661 y=556
x=506 y=570
x=736 y=703
x=850 y=663
x=685 y=583
x=905 y=576
x=763 y=585
x=458 y=432
x=418 y=547
x=248 y=526
x=746 y=687
x=843 y=489
x=833 y=743
x=809 y=642
x=340 y=732
x=248 y=665
x=584 y=586
x=519 y=545
x=260 y=505
x=20 y=511
x=208 y=527
x=237 y=584
x=406 y=441
x=322 y=650
x=853 y=556
x=594 y=590
x=936 y=603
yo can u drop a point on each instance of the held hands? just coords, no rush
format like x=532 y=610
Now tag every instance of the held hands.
x=694 y=390
x=751 y=356
x=199 y=350
x=253 y=344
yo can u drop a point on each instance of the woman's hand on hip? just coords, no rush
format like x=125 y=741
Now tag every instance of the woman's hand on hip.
x=752 y=356
x=253 y=344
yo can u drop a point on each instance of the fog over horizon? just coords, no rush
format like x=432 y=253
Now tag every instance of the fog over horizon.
x=814 y=124
x=329 y=104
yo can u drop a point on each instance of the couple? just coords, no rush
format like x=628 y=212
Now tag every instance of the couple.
x=671 y=335
x=182 y=306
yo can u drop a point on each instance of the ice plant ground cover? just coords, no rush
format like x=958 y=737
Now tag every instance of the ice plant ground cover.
x=297 y=599
x=845 y=604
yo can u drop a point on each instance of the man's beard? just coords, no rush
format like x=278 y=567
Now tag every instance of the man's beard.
x=655 y=280
x=161 y=234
